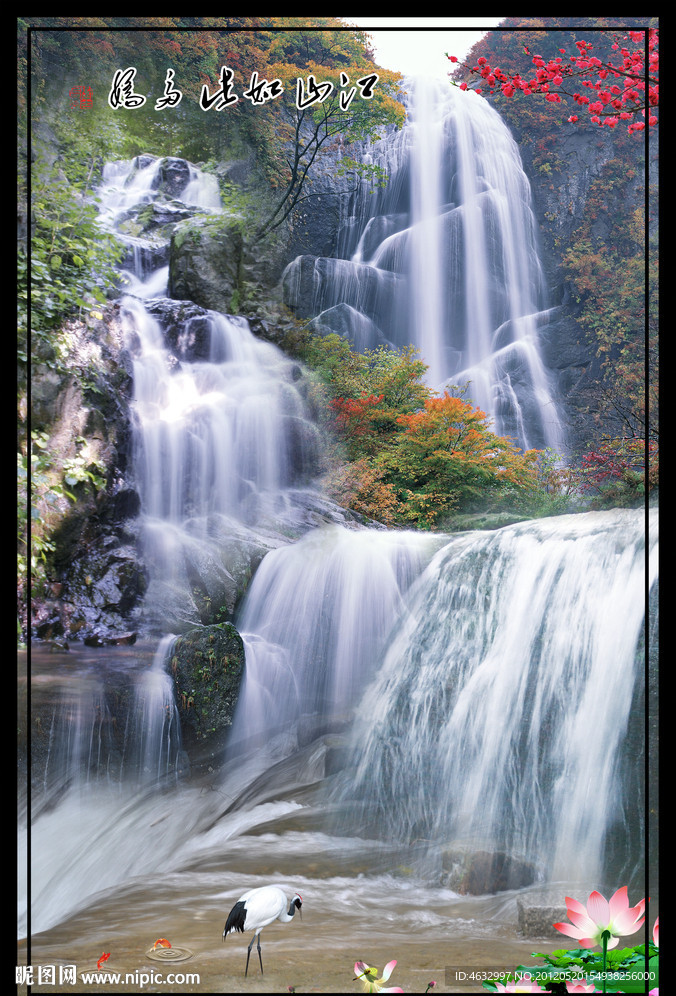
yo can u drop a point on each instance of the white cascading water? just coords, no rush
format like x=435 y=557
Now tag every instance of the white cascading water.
x=445 y=258
x=202 y=191
x=218 y=429
x=155 y=727
x=221 y=430
x=498 y=716
x=426 y=263
x=88 y=746
x=315 y=620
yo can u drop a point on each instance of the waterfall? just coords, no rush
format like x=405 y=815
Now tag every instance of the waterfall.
x=445 y=258
x=202 y=191
x=497 y=708
x=315 y=621
x=157 y=725
x=94 y=742
x=225 y=423
x=221 y=429
x=426 y=250
x=220 y=437
x=126 y=184
x=498 y=716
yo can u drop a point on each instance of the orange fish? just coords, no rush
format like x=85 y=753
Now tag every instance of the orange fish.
x=104 y=957
x=161 y=942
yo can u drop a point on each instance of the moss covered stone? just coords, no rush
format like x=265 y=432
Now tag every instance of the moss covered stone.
x=207 y=666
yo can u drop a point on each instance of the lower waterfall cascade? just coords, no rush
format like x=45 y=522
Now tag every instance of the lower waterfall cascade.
x=518 y=658
x=487 y=688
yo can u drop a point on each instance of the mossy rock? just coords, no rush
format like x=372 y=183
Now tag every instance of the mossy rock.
x=204 y=262
x=207 y=666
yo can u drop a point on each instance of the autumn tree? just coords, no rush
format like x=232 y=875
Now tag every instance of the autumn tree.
x=406 y=456
x=338 y=96
x=448 y=458
x=388 y=383
x=615 y=472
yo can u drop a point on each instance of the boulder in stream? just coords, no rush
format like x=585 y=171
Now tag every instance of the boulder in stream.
x=207 y=667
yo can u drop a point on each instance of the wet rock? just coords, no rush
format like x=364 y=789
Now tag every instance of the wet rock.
x=103 y=585
x=207 y=666
x=309 y=286
x=144 y=259
x=204 y=262
x=209 y=578
x=537 y=914
x=48 y=624
x=125 y=504
x=140 y=162
x=173 y=176
x=186 y=328
x=478 y=873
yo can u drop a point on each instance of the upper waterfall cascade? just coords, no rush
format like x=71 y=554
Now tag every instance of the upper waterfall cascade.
x=445 y=257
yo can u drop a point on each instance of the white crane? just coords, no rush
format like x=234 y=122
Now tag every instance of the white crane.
x=256 y=909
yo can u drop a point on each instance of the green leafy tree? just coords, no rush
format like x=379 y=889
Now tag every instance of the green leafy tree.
x=72 y=261
x=263 y=60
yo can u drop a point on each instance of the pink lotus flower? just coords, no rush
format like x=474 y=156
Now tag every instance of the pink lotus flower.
x=616 y=916
x=656 y=933
x=524 y=985
x=370 y=980
x=581 y=987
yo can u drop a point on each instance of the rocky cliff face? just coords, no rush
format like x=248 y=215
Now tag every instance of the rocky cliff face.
x=97 y=579
x=562 y=166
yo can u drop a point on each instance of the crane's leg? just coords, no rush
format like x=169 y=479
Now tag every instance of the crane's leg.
x=248 y=955
x=259 y=953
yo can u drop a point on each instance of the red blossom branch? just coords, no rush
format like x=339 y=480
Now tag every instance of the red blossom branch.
x=622 y=90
